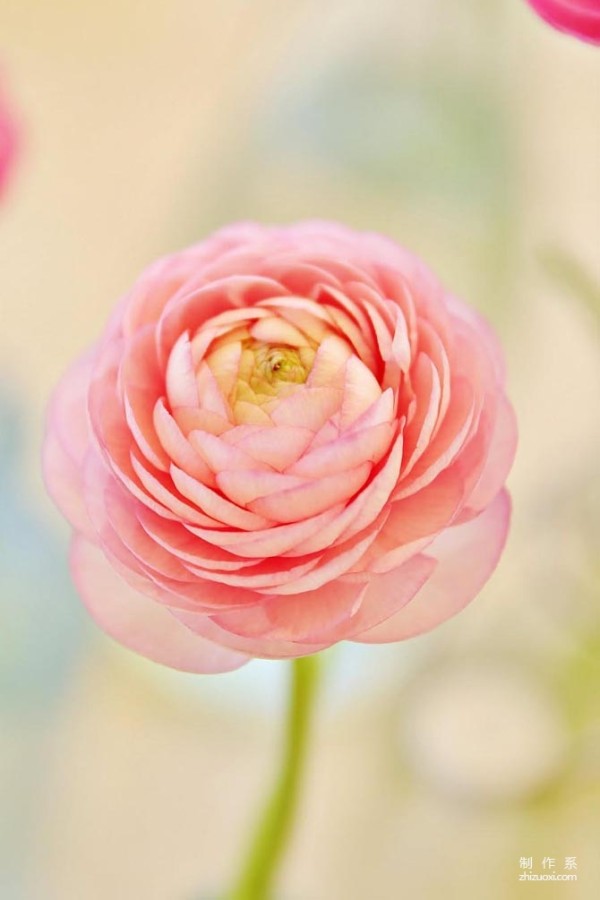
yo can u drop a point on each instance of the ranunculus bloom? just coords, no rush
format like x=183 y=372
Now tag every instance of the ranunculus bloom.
x=8 y=139
x=285 y=438
x=577 y=17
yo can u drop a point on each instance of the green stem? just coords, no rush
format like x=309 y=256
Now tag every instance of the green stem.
x=274 y=828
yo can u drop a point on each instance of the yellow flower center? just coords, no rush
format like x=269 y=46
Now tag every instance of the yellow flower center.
x=267 y=372
x=280 y=364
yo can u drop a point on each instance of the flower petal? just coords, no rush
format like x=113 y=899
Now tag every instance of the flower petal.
x=349 y=450
x=140 y=624
x=214 y=505
x=384 y=595
x=311 y=498
x=265 y=648
x=361 y=390
x=467 y=555
x=300 y=617
x=178 y=447
x=278 y=446
x=64 y=483
x=308 y=407
x=270 y=541
x=182 y=389
x=500 y=456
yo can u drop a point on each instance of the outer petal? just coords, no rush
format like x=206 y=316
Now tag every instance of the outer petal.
x=265 y=648
x=64 y=483
x=500 y=456
x=384 y=595
x=67 y=414
x=467 y=555
x=66 y=443
x=300 y=617
x=139 y=623
x=415 y=521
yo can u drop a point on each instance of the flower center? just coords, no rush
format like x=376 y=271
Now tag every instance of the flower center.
x=277 y=364
x=253 y=364
x=268 y=371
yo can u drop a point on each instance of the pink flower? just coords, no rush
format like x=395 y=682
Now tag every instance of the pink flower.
x=8 y=140
x=285 y=438
x=580 y=18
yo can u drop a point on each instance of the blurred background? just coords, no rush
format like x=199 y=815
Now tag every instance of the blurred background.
x=470 y=132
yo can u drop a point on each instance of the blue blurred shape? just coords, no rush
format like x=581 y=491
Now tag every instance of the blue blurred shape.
x=41 y=627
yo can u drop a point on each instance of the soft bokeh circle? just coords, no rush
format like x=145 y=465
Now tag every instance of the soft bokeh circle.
x=580 y=18
x=285 y=438
x=8 y=138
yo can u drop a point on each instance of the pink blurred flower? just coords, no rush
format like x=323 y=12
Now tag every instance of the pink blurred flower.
x=580 y=18
x=285 y=438
x=8 y=139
